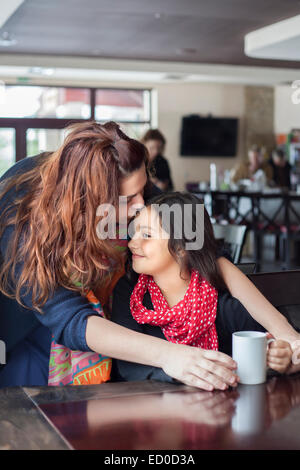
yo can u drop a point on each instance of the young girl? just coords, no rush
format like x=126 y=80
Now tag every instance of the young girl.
x=178 y=294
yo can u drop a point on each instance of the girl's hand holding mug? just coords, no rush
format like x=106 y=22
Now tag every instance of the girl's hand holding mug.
x=279 y=356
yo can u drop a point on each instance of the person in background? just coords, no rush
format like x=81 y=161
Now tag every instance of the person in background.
x=159 y=167
x=281 y=169
x=249 y=169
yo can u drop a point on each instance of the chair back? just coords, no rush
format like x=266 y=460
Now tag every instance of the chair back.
x=282 y=289
x=247 y=268
x=234 y=238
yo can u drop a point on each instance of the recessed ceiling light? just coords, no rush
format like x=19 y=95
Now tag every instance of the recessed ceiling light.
x=7 y=39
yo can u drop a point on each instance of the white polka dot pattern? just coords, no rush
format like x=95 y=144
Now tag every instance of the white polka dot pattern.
x=191 y=321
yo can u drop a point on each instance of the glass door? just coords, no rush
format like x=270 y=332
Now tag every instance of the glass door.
x=7 y=149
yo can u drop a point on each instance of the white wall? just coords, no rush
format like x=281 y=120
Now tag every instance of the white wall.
x=177 y=100
x=286 y=113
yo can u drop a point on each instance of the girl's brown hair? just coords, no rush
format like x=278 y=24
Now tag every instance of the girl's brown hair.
x=54 y=213
x=203 y=260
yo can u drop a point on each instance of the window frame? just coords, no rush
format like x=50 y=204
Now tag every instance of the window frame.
x=21 y=125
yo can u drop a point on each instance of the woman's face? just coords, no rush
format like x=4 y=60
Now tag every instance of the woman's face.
x=154 y=147
x=131 y=193
x=149 y=244
x=254 y=159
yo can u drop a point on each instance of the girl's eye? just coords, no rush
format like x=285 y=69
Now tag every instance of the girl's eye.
x=146 y=235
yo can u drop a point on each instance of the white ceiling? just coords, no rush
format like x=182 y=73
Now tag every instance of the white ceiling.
x=205 y=46
x=279 y=41
x=7 y=9
x=92 y=71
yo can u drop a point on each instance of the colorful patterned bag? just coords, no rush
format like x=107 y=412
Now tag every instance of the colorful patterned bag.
x=67 y=367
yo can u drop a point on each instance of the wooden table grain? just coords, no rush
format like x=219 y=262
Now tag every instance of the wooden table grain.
x=23 y=426
x=152 y=416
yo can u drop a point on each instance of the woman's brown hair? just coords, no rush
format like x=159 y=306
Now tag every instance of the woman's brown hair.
x=54 y=214
x=153 y=134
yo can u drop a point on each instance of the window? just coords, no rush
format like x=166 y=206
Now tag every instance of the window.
x=123 y=105
x=33 y=118
x=43 y=140
x=7 y=149
x=135 y=130
x=45 y=102
x=130 y=108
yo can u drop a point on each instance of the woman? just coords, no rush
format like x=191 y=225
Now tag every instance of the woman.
x=281 y=169
x=48 y=242
x=155 y=143
x=253 y=167
x=51 y=254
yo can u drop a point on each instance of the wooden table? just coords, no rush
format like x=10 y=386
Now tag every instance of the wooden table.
x=152 y=415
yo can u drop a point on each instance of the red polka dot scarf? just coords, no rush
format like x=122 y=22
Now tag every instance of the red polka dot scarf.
x=191 y=321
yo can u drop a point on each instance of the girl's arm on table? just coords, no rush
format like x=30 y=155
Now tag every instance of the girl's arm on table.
x=123 y=341
x=256 y=304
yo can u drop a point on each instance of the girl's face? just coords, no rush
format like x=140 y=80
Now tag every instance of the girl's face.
x=149 y=245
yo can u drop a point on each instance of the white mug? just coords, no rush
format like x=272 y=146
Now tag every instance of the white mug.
x=249 y=351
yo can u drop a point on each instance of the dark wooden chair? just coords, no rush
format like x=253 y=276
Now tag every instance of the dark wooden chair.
x=234 y=238
x=247 y=268
x=282 y=289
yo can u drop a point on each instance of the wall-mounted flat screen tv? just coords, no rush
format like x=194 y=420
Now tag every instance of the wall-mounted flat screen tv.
x=208 y=136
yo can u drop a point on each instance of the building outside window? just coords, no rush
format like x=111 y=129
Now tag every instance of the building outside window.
x=33 y=118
